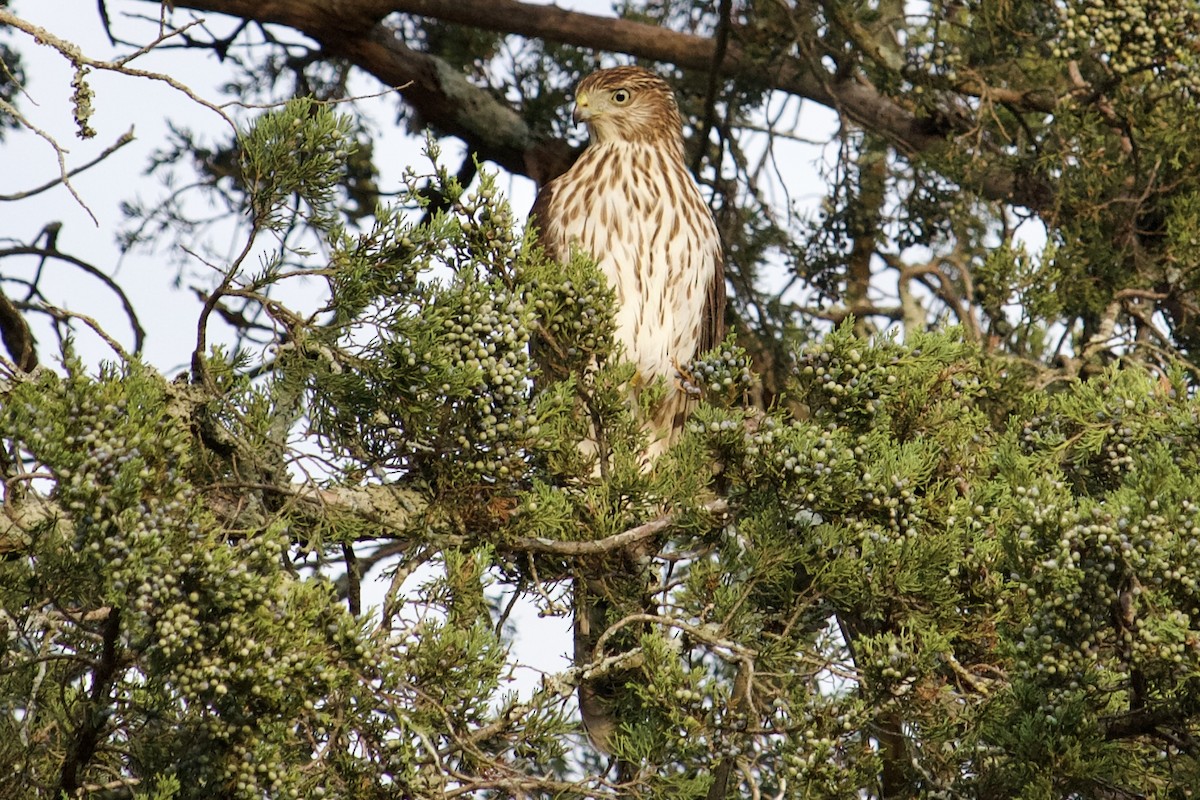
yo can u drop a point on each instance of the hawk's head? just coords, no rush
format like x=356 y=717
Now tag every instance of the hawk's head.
x=628 y=104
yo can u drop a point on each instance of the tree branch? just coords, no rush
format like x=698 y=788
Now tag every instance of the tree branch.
x=87 y=736
x=444 y=98
x=124 y=139
x=17 y=338
x=51 y=251
x=616 y=542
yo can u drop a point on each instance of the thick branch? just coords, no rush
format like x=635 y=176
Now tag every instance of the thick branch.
x=16 y=336
x=392 y=509
x=689 y=51
x=445 y=99
x=31 y=513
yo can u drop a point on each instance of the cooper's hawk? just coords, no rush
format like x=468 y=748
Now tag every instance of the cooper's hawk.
x=630 y=202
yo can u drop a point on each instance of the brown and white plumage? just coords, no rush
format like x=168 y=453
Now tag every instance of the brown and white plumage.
x=631 y=203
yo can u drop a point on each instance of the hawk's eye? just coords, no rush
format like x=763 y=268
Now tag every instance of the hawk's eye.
x=621 y=96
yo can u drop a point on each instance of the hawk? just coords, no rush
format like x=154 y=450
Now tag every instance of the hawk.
x=630 y=202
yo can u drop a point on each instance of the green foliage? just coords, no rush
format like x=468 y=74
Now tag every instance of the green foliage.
x=199 y=632
x=1011 y=278
x=295 y=151
x=936 y=564
x=1103 y=546
x=428 y=368
x=1146 y=36
x=165 y=788
x=723 y=377
x=1012 y=578
x=947 y=522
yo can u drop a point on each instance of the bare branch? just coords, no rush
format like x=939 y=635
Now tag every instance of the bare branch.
x=139 y=334
x=199 y=367
x=64 y=315
x=64 y=176
x=701 y=634
x=73 y=54
x=619 y=541
x=124 y=139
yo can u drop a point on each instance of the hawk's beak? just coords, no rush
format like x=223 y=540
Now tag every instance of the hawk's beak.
x=583 y=112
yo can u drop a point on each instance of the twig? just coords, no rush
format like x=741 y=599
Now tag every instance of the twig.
x=124 y=139
x=63 y=315
x=714 y=80
x=199 y=368
x=398 y=578
x=59 y=150
x=552 y=606
x=966 y=677
x=83 y=110
x=740 y=653
x=507 y=612
x=73 y=54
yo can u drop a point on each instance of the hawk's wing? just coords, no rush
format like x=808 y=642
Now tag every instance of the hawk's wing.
x=712 y=331
x=549 y=229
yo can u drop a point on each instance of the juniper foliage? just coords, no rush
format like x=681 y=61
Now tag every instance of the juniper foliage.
x=961 y=562
x=920 y=556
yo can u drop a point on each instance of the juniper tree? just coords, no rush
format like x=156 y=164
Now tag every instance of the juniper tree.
x=945 y=561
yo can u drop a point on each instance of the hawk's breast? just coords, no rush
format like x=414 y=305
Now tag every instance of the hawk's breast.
x=640 y=214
